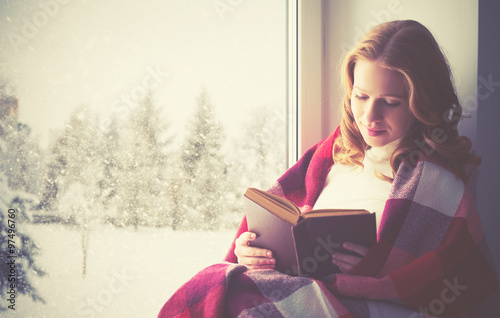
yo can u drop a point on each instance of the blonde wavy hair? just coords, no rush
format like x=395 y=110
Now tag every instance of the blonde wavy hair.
x=406 y=46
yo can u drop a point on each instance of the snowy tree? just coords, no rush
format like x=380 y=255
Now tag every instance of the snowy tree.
x=176 y=213
x=22 y=155
x=20 y=161
x=74 y=165
x=18 y=250
x=55 y=171
x=22 y=158
x=108 y=154
x=261 y=149
x=79 y=178
x=204 y=166
x=258 y=160
x=142 y=187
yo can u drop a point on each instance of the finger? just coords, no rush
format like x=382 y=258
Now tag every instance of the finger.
x=248 y=251
x=346 y=258
x=344 y=267
x=245 y=238
x=261 y=267
x=257 y=261
x=360 y=249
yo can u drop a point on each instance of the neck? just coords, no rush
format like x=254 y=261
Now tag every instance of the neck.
x=384 y=152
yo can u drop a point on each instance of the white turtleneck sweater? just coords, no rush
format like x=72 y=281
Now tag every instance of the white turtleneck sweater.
x=351 y=187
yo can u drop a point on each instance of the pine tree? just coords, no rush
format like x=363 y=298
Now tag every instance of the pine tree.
x=22 y=155
x=262 y=148
x=79 y=188
x=77 y=157
x=176 y=215
x=108 y=153
x=17 y=249
x=204 y=166
x=55 y=171
x=258 y=160
x=142 y=182
x=22 y=158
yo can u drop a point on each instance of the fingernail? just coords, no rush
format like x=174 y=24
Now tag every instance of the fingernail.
x=269 y=254
x=252 y=236
x=273 y=261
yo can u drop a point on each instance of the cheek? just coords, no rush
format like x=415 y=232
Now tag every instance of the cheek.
x=356 y=109
x=402 y=121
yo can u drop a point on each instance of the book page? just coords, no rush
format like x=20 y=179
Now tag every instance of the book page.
x=332 y=212
x=273 y=202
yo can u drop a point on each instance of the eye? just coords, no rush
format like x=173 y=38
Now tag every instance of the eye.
x=392 y=103
x=360 y=97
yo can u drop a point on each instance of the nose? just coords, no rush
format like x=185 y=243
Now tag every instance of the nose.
x=372 y=112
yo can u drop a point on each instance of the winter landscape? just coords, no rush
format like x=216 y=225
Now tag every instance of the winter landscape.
x=109 y=222
x=129 y=274
x=129 y=131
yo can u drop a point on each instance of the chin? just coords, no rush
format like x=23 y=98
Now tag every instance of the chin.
x=376 y=141
x=376 y=144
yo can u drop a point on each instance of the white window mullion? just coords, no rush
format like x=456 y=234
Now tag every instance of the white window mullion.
x=292 y=83
x=310 y=73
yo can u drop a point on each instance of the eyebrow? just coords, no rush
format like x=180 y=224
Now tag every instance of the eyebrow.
x=383 y=95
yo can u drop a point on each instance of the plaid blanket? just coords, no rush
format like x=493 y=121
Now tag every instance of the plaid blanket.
x=431 y=258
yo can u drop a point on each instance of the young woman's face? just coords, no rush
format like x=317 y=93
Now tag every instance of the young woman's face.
x=379 y=103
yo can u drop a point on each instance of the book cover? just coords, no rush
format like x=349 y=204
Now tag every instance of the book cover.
x=274 y=234
x=303 y=243
x=316 y=239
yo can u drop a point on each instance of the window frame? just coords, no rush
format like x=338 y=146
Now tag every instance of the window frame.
x=308 y=102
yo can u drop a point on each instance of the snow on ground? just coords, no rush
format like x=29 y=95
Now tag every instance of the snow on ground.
x=129 y=274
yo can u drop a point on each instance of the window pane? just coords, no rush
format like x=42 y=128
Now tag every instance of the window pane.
x=129 y=132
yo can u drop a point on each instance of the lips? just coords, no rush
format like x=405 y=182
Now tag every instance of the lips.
x=374 y=132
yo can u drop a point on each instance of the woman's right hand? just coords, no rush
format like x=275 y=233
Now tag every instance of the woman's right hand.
x=253 y=257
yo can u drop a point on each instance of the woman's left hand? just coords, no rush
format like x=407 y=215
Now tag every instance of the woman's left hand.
x=346 y=262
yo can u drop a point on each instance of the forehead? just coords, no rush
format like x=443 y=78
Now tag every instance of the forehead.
x=374 y=79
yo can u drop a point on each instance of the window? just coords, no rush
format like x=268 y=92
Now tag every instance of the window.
x=329 y=29
x=130 y=130
x=108 y=108
x=342 y=23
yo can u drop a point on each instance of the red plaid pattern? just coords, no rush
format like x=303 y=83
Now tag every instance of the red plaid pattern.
x=431 y=258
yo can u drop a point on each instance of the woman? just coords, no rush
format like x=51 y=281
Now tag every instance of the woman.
x=394 y=108
x=397 y=152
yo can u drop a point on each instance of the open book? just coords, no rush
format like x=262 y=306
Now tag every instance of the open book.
x=303 y=243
